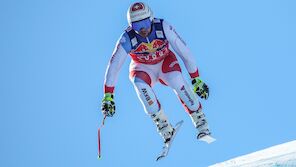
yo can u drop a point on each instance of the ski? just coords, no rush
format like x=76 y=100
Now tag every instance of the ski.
x=166 y=147
x=207 y=138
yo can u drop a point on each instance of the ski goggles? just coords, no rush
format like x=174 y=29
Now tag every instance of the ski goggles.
x=138 y=25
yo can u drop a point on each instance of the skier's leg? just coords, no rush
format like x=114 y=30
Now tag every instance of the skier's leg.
x=189 y=100
x=172 y=76
x=142 y=84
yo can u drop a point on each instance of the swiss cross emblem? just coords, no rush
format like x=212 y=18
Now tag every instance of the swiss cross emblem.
x=137 y=6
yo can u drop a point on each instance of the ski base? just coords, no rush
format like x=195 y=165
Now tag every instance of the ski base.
x=166 y=147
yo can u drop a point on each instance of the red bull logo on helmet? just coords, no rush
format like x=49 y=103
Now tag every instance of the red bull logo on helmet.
x=150 y=53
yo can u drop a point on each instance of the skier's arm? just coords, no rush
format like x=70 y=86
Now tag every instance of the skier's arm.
x=181 y=49
x=184 y=53
x=118 y=58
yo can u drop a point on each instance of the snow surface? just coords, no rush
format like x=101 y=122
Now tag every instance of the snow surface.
x=279 y=155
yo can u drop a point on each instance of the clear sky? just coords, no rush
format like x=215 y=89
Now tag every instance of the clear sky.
x=53 y=56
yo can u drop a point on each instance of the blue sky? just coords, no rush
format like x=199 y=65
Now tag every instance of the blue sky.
x=53 y=60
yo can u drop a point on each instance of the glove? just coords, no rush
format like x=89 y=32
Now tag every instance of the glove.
x=108 y=105
x=200 y=88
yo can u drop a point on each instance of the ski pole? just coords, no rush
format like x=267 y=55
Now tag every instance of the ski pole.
x=99 y=137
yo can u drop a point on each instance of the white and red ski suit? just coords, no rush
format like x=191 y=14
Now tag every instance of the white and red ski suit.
x=153 y=61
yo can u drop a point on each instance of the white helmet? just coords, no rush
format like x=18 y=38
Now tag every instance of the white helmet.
x=138 y=11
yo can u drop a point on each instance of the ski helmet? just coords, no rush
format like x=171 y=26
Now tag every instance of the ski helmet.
x=140 y=14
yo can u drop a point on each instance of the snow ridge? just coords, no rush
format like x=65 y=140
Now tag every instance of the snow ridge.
x=279 y=155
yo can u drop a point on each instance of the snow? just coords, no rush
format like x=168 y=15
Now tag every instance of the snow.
x=279 y=155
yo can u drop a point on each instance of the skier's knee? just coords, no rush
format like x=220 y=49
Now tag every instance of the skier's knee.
x=152 y=107
x=194 y=107
x=152 y=110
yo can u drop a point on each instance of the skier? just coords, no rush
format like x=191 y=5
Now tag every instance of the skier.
x=148 y=40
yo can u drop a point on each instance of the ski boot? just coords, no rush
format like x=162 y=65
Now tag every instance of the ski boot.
x=164 y=128
x=201 y=124
x=166 y=131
